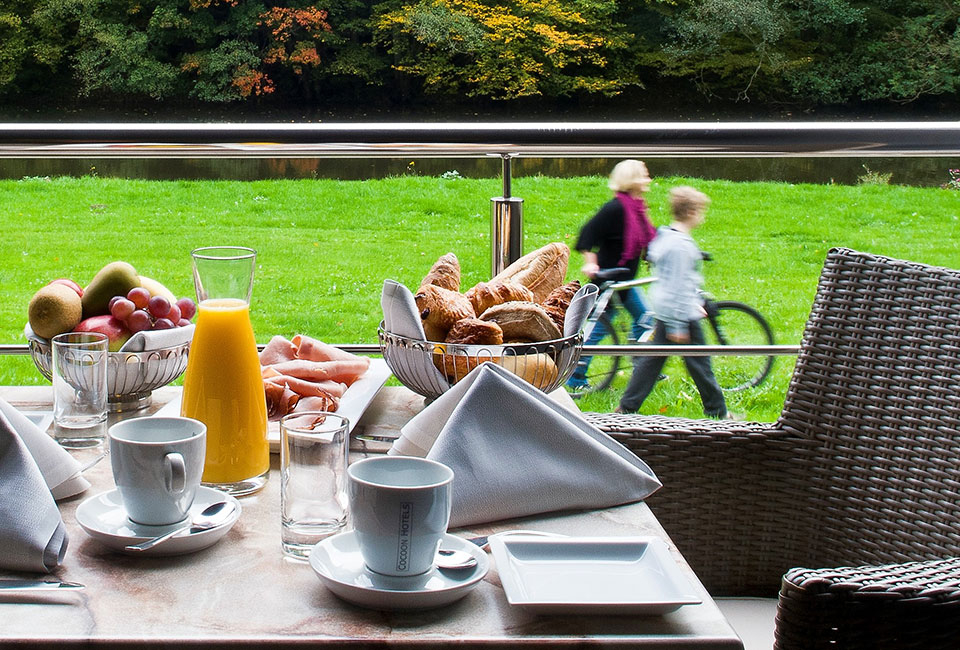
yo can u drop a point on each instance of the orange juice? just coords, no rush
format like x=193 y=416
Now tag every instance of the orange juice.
x=223 y=389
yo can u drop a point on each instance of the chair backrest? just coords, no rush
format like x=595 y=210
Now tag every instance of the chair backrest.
x=877 y=385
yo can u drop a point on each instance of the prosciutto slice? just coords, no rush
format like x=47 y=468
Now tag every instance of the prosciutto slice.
x=306 y=374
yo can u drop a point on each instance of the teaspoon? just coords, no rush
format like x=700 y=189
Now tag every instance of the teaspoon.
x=448 y=558
x=210 y=517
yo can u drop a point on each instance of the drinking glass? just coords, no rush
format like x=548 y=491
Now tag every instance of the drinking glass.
x=222 y=386
x=313 y=465
x=80 y=389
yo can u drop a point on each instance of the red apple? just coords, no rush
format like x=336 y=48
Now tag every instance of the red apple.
x=117 y=333
x=67 y=282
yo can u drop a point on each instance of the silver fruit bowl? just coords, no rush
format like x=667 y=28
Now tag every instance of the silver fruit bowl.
x=131 y=376
x=429 y=368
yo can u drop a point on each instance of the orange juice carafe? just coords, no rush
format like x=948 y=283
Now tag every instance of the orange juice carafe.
x=222 y=386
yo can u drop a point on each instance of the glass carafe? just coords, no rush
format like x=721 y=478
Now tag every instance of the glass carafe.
x=222 y=386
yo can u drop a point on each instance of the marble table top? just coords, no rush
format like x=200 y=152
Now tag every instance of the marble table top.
x=242 y=590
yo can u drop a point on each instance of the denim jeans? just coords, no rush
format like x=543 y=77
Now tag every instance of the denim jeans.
x=632 y=301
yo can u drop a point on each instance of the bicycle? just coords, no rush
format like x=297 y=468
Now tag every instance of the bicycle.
x=729 y=322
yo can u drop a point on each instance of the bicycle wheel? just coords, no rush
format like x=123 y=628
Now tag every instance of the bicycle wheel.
x=602 y=368
x=734 y=323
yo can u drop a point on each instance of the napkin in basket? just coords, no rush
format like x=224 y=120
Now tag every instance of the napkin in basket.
x=579 y=308
x=32 y=534
x=158 y=339
x=515 y=452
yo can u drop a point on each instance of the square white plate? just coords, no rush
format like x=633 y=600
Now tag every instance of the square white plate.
x=40 y=418
x=591 y=575
x=353 y=403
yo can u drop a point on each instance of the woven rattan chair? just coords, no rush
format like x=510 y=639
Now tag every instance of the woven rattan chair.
x=861 y=469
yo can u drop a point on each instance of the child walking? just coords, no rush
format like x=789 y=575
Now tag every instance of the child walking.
x=677 y=305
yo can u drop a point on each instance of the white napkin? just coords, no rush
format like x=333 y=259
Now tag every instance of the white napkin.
x=60 y=471
x=579 y=308
x=158 y=339
x=514 y=452
x=400 y=313
x=32 y=534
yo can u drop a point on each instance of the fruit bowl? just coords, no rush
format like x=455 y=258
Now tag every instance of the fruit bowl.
x=131 y=376
x=429 y=368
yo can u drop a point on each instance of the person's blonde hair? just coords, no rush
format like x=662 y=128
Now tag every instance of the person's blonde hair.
x=686 y=201
x=626 y=175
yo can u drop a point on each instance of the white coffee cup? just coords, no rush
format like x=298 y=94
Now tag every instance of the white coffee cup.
x=157 y=463
x=400 y=507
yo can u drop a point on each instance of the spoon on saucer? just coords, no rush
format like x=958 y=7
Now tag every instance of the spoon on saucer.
x=448 y=558
x=210 y=517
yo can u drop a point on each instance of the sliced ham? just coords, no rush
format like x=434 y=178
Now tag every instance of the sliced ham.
x=344 y=371
x=306 y=374
x=310 y=404
x=277 y=350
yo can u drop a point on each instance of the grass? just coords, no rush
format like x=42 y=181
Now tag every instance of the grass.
x=326 y=246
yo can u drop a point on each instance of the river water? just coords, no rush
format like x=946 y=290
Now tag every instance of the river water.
x=923 y=172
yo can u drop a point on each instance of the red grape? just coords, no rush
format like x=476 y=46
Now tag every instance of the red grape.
x=122 y=308
x=112 y=302
x=138 y=321
x=187 y=308
x=163 y=324
x=174 y=314
x=183 y=322
x=139 y=297
x=158 y=306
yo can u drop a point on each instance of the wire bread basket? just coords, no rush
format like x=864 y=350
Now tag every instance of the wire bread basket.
x=430 y=368
x=131 y=376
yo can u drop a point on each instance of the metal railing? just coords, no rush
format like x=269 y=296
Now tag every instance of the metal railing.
x=503 y=140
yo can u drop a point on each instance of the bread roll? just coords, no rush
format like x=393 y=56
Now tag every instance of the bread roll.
x=523 y=322
x=473 y=331
x=485 y=295
x=536 y=369
x=439 y=309
x=558 y=301
x=541 y=271
x=445 y=273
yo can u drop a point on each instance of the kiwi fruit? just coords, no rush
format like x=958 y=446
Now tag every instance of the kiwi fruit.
x=54 y=309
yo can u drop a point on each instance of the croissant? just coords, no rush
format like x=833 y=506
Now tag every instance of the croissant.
x=440 y=308
x=445 y=273
x=484 y=295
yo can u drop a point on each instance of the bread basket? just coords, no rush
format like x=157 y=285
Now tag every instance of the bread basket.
x=131 y=376
x=430 y=369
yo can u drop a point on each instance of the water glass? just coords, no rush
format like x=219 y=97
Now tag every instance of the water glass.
x=313 y=465
x=80 y=389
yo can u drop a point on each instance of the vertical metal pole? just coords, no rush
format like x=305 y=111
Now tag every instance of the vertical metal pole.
x=506 y=225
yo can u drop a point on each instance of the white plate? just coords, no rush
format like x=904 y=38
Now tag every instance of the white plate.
x=102 y=516
x=354 y=402
x=591 y=575
x=338 y=562
x=40 y=418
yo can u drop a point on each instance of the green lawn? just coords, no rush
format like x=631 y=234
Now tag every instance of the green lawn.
x=325 y=246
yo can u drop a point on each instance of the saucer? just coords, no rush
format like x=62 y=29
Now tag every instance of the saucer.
x=102 y=516
x=338 y=562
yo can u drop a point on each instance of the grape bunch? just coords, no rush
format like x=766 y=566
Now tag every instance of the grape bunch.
x=140 y=311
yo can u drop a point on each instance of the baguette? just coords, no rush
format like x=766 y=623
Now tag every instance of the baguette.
x=541 y=271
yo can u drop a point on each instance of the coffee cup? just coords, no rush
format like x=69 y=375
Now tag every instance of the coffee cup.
x=157 y=463
x=400 y=507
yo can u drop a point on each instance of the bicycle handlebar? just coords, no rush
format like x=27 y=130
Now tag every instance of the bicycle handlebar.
x=610 y=274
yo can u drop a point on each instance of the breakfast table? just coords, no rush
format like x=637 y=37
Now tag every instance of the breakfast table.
x=242 y=591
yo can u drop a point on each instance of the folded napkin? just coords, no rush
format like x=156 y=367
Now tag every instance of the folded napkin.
x=32 y=534
x=60 y=471
x=400 y=313
x=579 y=308
x=158 y=339
x=514 y=452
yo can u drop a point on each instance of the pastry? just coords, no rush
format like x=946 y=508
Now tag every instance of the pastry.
x=440 y=308
x=455 y=362
x=445 y=273
x=523 y=322
x=558 y=301
x=536 y=369
x=541 y=271
x=484 y=295
x=473 y=331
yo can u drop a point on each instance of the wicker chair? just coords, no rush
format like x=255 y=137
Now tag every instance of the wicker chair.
x=861 y=468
